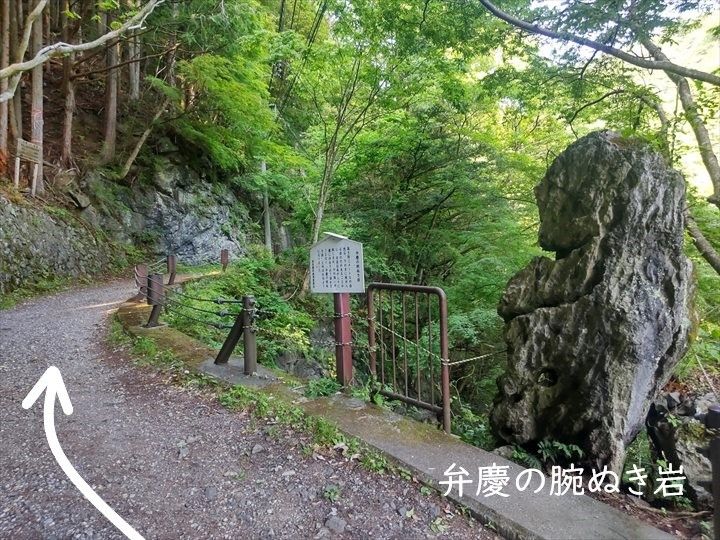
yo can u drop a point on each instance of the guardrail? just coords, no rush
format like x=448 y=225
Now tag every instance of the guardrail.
x=398 y=353
x=149 y=280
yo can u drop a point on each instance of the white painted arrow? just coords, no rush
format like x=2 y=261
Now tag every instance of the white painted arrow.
x=52 y=383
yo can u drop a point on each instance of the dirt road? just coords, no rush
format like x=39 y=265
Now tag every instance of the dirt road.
x=170 y=461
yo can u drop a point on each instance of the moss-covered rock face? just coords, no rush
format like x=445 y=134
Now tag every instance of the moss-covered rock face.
x=676 y=427
x=41 y=245
x=173 y=210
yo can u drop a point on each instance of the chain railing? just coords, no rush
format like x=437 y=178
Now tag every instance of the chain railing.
x=407 y=351
x=169 y=298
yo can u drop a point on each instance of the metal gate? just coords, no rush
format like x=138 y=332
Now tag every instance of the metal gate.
x=407 y=326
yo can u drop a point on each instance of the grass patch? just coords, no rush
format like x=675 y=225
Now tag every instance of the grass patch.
x=322 y=387
x=39 y=288
x=259 y=404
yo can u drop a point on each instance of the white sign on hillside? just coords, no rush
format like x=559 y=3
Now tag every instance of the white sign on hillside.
x=336 y=265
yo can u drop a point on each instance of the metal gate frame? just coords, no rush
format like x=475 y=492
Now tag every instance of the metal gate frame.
x=444 y=354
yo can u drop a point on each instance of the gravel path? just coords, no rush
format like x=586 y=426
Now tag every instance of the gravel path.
x=170 y=461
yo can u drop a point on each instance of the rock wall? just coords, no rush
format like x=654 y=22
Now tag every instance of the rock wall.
x=173 y=209
x=176 y=211
x=594 y=334
x=42 y=244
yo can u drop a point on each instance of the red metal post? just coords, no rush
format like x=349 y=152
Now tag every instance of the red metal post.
x=371 y=332
x=343 y=338
x=444 y=360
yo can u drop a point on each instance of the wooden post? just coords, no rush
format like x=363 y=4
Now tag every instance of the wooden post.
x=16 y=179
x=154 y=298
x=34 y=187
x=171 y=268
x=141 y=279
x=249 y=343
x=343 y=339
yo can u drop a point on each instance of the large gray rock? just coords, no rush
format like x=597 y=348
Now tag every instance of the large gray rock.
x=594 y=334
x=677 y=430
x=178 y=212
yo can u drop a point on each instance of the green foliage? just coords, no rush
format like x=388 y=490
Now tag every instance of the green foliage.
x=280 y=325
x=332 y=493
x=375 y=462
x=551 y=451
x=322 y=387
x=473 y=429
x=229 y=124
x=523 y=457
x=704 y=353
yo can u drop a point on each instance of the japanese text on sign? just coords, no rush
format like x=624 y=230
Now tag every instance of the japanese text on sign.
x=28 y=151
x=336 y=266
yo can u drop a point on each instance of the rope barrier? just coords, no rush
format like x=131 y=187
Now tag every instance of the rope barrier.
x=217 y=326
x=474 y=358
x=378 y=325
x=444 y=361
x=173 y=290
x=201 y=310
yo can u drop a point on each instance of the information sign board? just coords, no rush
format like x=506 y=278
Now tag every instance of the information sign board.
x=336 y=265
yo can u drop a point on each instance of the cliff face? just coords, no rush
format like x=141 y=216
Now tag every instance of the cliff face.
x=174 y=210
x=39 y=244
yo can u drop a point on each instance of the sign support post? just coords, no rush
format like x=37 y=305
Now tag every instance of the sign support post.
x=336 y=266
x=343 y=339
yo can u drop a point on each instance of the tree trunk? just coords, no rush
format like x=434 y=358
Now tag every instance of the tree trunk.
x=133 y=57
x=4 y=62
x=134 y=66
x=322 y=201
x=134 y=154
x=704 y=247
x=111 y=97
x=697 y=124
x=68 y=92
x=16 y=125
x=36 y=110
x=266 y=212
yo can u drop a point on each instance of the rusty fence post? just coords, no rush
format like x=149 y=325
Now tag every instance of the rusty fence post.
x=372 y=349
x=243 y=326
x=154 y=298
x=712 y=421
x=397 y=346
x=171 y=268
x=224 y=258
x=141 y=282
x=444 y=360
x=231 y=341
x=343 y=339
